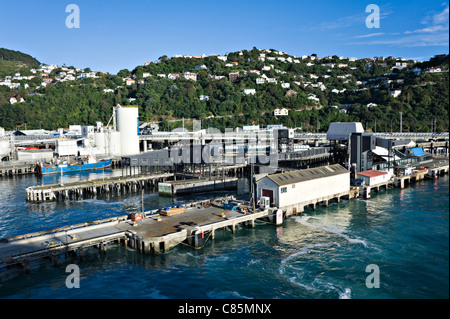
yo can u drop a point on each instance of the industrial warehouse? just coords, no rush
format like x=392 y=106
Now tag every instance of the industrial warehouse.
x=292 y=191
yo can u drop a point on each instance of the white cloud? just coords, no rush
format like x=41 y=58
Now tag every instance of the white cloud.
x=434 y=33
x=435 y=23
x=368 y=35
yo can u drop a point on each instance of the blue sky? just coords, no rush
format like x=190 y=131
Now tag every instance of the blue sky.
x=114 y=35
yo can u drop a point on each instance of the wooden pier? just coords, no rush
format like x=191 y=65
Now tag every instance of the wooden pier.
x=76 y=190
x=153 y=234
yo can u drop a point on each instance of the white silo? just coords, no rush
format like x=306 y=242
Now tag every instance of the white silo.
x=127 y=118
x=114 y=144
x=4 y=147
x=100 y=141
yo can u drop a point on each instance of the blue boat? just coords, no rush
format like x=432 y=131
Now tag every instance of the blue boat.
x=68 y=168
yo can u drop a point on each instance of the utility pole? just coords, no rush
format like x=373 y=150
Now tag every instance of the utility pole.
x=252 y=184
x=401 y=113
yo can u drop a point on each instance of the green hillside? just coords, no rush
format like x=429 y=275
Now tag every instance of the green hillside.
x=12 y=62
x=321 y=90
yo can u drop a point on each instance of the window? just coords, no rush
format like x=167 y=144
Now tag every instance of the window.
x=283 y=189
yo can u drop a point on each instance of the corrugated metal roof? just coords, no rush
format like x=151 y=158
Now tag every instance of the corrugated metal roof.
x=417 y=151
x=342 y=131
x=372 y=173
x=307 y=174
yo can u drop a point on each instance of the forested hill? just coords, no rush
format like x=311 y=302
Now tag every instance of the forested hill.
x=12 y=62
x=238 y=88
x=10 y=55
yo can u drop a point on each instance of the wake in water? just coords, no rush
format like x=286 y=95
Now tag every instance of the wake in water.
x=316 y=285
x=331 y=229
x=298 y=276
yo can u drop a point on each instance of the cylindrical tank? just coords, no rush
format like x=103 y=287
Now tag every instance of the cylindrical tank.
x=114 y=147
x=4 y=148
x=128 y=126
x=100 y=141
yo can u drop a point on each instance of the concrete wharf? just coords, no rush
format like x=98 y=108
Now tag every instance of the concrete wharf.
x=433 y=169
x=152 y=235
x=17 y=168
x=192 y=185
x=76 y=189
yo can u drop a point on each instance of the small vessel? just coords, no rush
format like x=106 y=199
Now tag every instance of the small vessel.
x=85 y=165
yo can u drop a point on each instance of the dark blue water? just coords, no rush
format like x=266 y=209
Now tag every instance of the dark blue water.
x=321 y=254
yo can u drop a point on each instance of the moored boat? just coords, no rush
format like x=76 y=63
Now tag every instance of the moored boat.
x=87 y=165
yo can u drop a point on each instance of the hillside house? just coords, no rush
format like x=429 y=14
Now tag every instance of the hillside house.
x=173 y=76
x=395 y=93
x=190 y=76
x=281 y=112
x=249 y=91
x=291 y=93
x=233 y=76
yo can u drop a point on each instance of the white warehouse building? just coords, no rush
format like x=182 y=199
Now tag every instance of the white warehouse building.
x=292 y=191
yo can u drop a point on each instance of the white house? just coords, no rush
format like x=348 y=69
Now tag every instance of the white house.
x=293 y=190
x=12 y=100
x=145 y=75
x=373 y=177
x=395 y=93
x=249 y=91
x=434 y=70
x=204 y=98
x=372 y=104
x=129 y=81
x=201 y=67
x=285 y=85
x=280 y=112
x=190 y=76
x=260 y=81
x=173 y=76
x=313 y=97
x=222 y=57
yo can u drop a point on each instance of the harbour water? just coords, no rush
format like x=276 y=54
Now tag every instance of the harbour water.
x=320 y=254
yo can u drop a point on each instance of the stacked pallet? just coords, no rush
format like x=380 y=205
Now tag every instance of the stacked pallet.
x=172 y=211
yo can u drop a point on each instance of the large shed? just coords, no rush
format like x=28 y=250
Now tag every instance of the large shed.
x=341 y=131
x=295 y=189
